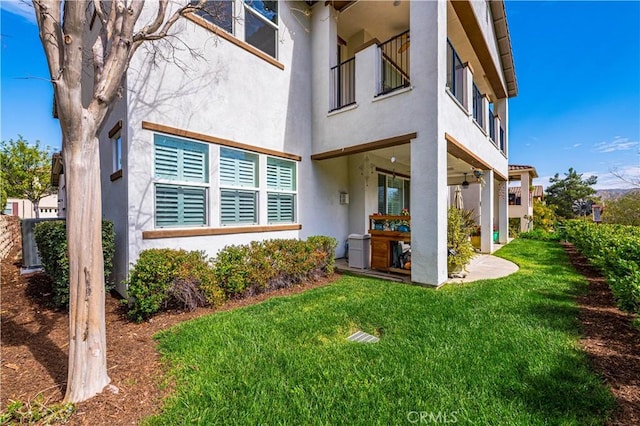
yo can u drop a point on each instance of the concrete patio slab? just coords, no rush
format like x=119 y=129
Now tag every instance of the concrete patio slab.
x=481 y=267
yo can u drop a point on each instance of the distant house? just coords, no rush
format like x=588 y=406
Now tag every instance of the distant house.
x=305 y=118
x=23 y=208
x=57 y=181
x=521 y=197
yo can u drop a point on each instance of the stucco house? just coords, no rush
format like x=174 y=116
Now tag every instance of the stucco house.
x=522 y=195
x=306 y=117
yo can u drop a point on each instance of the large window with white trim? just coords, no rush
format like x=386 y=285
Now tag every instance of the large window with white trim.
x=261 y=25
x=281 y=190
x=181 y=170
x=218 y=12
x=239 y=185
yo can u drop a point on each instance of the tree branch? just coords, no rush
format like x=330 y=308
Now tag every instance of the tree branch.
x=48 y=15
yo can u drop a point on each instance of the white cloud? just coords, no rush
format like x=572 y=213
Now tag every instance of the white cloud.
x=617 y=144
x=574 y=146
x=607 y=180
x=20 y=8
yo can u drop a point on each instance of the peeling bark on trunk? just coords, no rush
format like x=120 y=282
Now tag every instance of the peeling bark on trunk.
x=87 y=374
x=36 y=209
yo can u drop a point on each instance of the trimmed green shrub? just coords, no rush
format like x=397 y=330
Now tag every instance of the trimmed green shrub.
x=540 y=234
x=51 y=239
x=615 y=250
x=163 y=278
x=272 y=264
x=460 y=225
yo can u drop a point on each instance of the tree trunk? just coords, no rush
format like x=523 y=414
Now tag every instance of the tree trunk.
x=87 y=374
x=36 y=209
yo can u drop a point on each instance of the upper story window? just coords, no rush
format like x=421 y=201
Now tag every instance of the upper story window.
x=261 y=25
x=117 y=152
x=393 y=194
x=455 y=73
x=477 y=106
x=218 y=12
x=492 y=124
x=181 y=173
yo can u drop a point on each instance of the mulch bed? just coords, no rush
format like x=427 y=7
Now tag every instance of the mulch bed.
x=35 y=344
x=610 y=341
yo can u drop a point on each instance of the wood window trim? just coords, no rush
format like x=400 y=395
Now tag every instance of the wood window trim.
x=391 y=173
x=146 y=125
x=115 y=129
x=116 y=175
x=200 y=232
x=232 y=39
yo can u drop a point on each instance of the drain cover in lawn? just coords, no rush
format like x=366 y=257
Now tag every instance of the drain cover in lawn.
x=362 y=337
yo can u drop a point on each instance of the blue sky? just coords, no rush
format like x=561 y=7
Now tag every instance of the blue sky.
x=577 y=66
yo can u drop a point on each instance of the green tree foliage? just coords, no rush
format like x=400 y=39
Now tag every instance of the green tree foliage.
x=624 y=210
x=572 y=195
x=26 y=171
x=544 y=215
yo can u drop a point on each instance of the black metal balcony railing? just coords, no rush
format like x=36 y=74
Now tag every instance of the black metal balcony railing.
x=455 y=73
x=395 y=60
x=492 y=126
x=477 y=106
x=343 y=80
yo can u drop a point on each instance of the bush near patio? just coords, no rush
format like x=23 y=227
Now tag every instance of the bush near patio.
x=615 y=250
x=163 y=278
x=51 y=239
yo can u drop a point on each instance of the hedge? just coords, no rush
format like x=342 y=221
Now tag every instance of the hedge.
x=163 y=278
x=51 y=239
x=615 y=250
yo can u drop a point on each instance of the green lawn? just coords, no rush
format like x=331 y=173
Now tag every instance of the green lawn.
x=492 y=352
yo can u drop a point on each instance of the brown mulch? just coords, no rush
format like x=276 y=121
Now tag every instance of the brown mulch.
x=35 y=343
x=610 y=340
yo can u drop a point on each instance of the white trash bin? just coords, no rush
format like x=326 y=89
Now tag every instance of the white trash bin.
x=360 y=251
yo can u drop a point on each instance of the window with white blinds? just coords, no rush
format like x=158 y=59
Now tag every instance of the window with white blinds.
x=178 y=165
x=281 y=184
x=238 y=187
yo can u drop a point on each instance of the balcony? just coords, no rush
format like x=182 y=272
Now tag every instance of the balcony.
x=343 y=84
x=394 y=64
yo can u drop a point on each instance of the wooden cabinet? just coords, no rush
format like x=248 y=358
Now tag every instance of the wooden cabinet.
x=381 y=256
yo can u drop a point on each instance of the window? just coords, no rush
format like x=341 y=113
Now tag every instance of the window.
x=477 y=106
x=393 y=194
x=281 y=186
x=117 y=152
x=261 y=25
x=455 y=73
x=492 y=124
x=238 y=187
x=181 y=170
x=218 y=12
x=8 y=209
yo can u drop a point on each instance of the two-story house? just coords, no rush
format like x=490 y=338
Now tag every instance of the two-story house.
x=304 y=118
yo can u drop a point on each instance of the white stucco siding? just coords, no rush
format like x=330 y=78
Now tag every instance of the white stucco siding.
x=114 y=192
x=458 y=124
x=231 y=94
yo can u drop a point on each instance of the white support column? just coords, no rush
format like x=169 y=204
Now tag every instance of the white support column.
x=429 y=148
x=486 y=213
x=503 y=212
x=525 y=183
x=468 y=89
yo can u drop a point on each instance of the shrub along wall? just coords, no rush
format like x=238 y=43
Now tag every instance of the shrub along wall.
x=51 y=239
x=615 y=250
x=163 y=278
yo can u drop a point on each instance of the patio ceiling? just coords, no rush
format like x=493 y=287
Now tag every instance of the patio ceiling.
x=381 y=19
